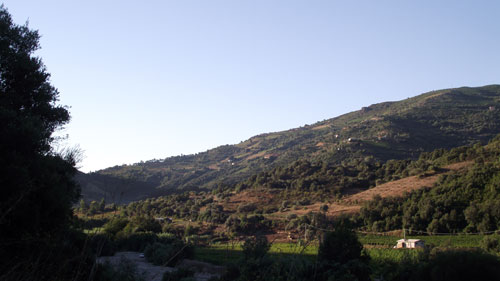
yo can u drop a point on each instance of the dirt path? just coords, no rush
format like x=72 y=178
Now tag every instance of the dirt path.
x=150 y=272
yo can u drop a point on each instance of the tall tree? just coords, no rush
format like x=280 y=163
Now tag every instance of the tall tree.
x=37 y=189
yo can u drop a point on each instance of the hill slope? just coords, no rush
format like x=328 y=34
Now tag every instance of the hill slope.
x=390 y=130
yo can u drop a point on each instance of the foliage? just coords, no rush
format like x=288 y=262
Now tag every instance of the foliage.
x=125 y=270
x=142 y=224
x=256 y=247
x=115 y=225
x=37 y=187
x=253 y=224
x=340 y=245
x=356 y=143
x=463 y=201
x=491 y=244
x=341 y=256
x=167 y=254
x=449 y=241
x=461 y=265
x=181 y=274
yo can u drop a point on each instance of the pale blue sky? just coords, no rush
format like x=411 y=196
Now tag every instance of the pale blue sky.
x=151 y=79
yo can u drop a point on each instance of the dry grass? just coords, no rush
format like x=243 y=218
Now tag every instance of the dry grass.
x=321 y=127
x=350 y=204
x=260 y=197
x=399 y=187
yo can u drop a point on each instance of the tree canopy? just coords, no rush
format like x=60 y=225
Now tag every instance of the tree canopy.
x=37 y=189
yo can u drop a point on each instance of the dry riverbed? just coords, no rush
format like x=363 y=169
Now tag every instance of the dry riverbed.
x=150 y=272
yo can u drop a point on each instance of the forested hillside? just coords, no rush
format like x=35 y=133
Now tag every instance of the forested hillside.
x=463 y=201
x=372 y=135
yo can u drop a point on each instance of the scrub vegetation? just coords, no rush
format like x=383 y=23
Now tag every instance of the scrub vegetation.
x=322 y=202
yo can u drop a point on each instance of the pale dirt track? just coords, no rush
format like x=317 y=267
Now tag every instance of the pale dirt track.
x=150 y=272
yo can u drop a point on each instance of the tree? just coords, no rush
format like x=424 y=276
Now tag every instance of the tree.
x=341 y=255
x=37 y=189
x=324 y=208
x=93 y=208
x=83 y=206
x=340 y=245
x=102 y=205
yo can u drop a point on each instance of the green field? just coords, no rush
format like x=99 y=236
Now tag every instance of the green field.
x=379 y=248
x=230 y=252
x=454 y=241
x=225 y=253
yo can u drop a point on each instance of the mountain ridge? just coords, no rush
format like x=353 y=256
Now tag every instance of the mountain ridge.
x=387 y=130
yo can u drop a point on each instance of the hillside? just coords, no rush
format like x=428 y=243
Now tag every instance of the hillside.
x=453 y=191
x=390 y=130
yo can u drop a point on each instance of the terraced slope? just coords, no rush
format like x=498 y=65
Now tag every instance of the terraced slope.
x=390 y=130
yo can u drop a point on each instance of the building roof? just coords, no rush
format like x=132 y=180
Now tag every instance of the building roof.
x=409 y=240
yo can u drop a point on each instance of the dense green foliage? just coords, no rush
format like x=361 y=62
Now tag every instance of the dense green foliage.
x=37 y=189
x=340 y=258
x=459 y=202
x=167 y=254
x=442 y=265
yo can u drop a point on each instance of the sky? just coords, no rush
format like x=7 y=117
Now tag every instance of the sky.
x=152 y=79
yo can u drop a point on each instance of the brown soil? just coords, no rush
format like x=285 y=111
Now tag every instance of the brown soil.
x=321 y=127
x=260 y=197
x=399 y=187
x=352 y=202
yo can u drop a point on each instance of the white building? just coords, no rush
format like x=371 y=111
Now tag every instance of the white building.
x=410 y=243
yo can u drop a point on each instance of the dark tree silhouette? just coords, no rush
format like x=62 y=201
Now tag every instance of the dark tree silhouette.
x=36 y=185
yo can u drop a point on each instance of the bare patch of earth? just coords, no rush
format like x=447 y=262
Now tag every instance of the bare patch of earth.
x=399 y=187
x=203 y=271
x=354 y=199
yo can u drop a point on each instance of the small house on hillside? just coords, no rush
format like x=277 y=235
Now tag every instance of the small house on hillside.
x=271 y=156
x=409 y=244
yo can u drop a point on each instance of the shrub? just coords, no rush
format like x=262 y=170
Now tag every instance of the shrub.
x=167 y=254
x=256 y=247
x=135 y=241
x=491 y=243
x=114 y=226
x=246 y=207
x=143 y=224
x=102 y=245
x=462 y=265
x=125 y=270
x=183 y=274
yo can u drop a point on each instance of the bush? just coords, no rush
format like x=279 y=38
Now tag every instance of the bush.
x=143 y=224
x=462 y=265
x=135 y=241
x=246 y=207
x=491 y=243
x=125 y=270
x=102 y=245
x=256 y=247
x=183 y=274
x=167 y=254
x=341 y=257
x=114 y=226
x=340 y=245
